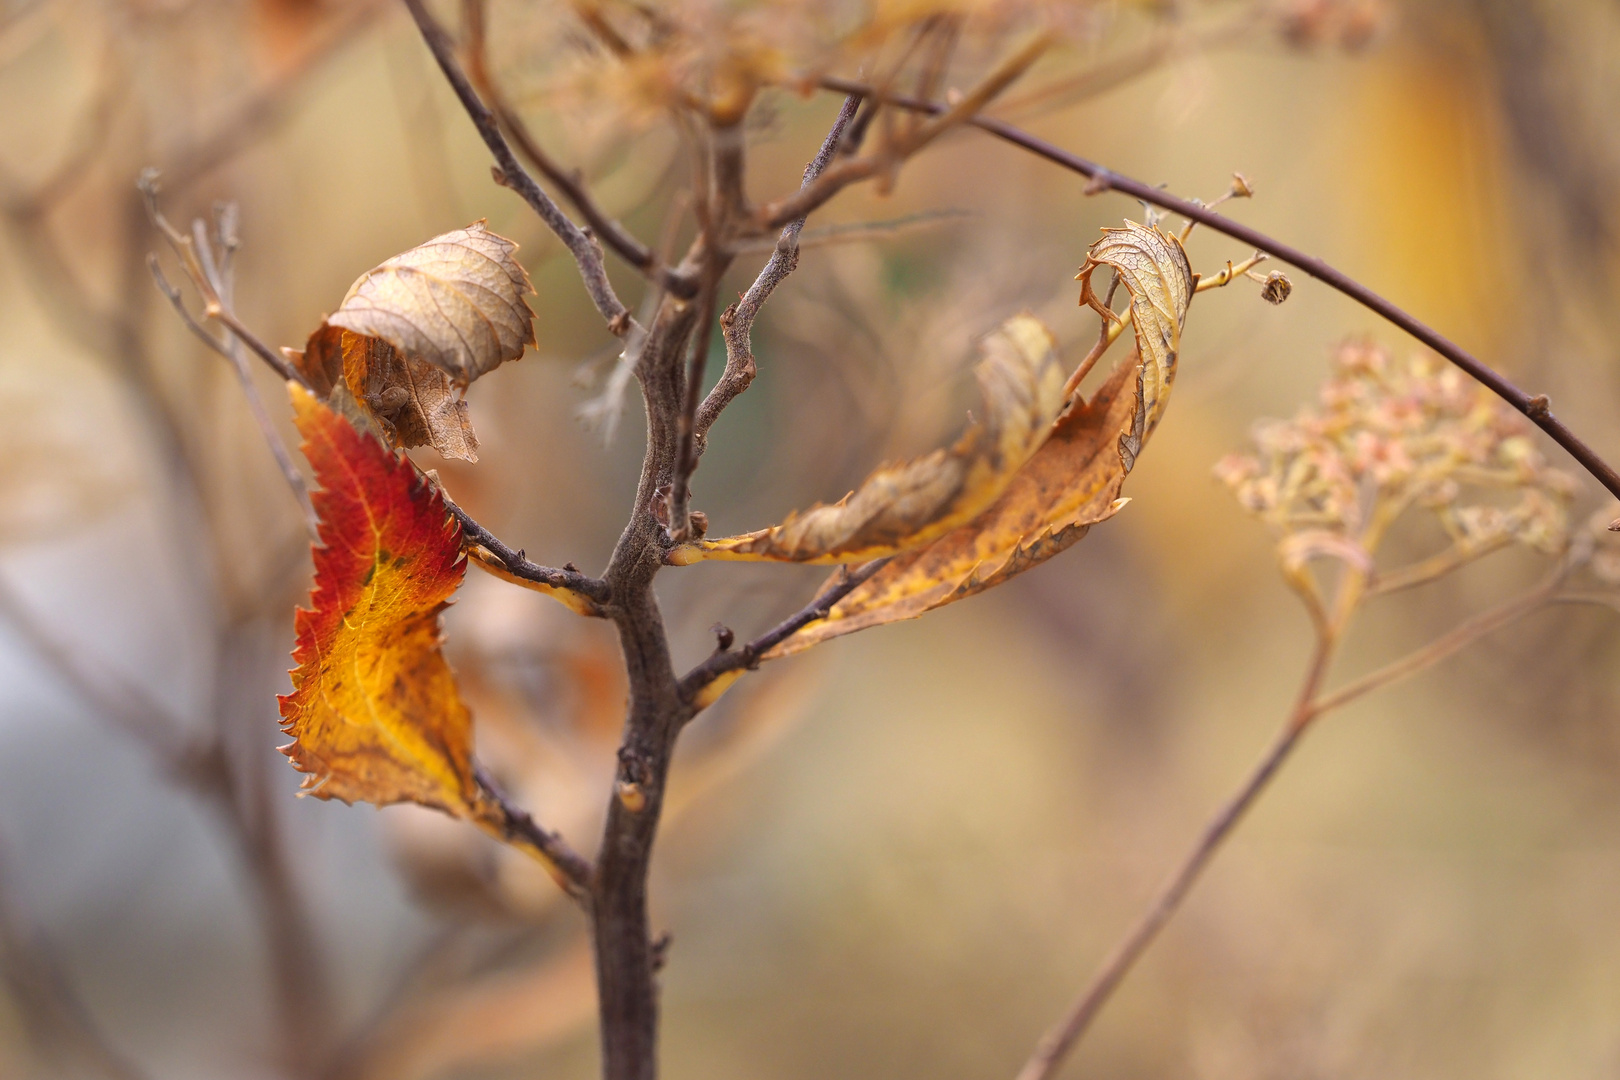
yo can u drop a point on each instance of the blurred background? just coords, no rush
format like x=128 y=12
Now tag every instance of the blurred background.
x=902 y=853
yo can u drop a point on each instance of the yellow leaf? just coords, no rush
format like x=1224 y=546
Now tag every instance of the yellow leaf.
x=1070 y=484
x=456 y=302
x=1153 y=267
x=904 y=506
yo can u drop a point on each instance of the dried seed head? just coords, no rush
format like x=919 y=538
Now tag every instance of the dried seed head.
x=1388 y=436
x=1277 y=287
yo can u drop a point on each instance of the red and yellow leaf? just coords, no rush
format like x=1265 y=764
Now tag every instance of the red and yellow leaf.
x=374 y=713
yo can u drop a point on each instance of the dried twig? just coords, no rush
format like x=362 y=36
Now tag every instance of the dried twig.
x=1310 y=705
x=727 y=660
x=853 y=170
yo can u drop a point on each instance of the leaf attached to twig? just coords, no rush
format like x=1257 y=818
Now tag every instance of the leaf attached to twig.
x=900 y=507
x=408 y=402
x=1153 y=267
x=456 y=302
x=374 y=713
x=1071 y=483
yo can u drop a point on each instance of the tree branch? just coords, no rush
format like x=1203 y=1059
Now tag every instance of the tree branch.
x=509 y=172
x=1536 y=407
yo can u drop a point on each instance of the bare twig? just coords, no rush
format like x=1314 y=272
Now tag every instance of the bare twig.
x=569 y=869
x=1427 y=570
x=852 y=170
x=858 y=232
x=738 y=321
x=1057 y=1042
x=1536 y=407
x=1442 y=647
x=509 y=172
x=727 y=660
x=519 y=566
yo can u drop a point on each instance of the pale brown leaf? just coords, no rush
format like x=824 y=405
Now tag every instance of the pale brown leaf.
x=456 y=302
x=1153 y=267
x=412 y=399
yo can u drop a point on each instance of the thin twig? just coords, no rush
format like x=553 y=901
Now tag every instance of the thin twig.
x=611 y=232
x=1442 y=647
x=1310 y=706
x=1536 y=407
x=571 y=870
x=738 y=322
x=852 y=170
x=857 y=232
x=519 y=566
x=230 y=349
x=725 y=661
x=1421 y=573
x=510 y=173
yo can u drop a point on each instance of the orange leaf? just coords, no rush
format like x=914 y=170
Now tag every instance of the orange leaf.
x=374 y=713
x=1071 y=483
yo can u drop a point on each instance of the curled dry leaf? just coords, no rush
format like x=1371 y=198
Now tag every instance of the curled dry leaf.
x=408 y=402
x=1153 y=267
x=904 y=506
x=414 y=331
x=456 y=302
x=374 y=713
x=1072 y=483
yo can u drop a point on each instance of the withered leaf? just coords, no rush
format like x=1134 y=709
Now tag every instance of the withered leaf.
x=374 y=713
x=1072 y=483
x=414 y=400
x=905 y=506
x=409 y=402
x=456 y=302
x=1153 y=267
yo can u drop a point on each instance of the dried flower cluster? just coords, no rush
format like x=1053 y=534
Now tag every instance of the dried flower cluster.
x=1388 y=436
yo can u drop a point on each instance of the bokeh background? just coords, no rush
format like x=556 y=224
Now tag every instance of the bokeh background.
x=902 y=853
